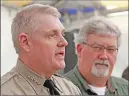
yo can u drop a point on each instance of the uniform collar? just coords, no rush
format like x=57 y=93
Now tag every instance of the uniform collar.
x=85 y=86
x=32 y=77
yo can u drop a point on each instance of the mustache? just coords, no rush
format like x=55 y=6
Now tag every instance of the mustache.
x=104 y=62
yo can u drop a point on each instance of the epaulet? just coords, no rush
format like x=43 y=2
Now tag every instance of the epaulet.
x=7 y=76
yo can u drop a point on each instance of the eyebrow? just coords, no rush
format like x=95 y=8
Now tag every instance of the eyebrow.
x=112 y=46
x=97 y=44
x=107 y=46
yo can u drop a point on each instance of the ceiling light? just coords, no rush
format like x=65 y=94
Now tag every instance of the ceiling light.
x=118 y=13
x=111 y=7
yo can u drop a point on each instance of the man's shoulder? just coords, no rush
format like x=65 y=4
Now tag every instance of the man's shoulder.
x=119 y=81
x=13 y=83
x=8 y=82
x=66 y=84
x=120 y=84
x=8 y=77
x=70 y=74
x=62 y=78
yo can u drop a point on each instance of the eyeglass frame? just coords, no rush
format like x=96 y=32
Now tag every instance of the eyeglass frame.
x=113 y=51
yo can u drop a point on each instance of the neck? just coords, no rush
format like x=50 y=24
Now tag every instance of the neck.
x=96 y=81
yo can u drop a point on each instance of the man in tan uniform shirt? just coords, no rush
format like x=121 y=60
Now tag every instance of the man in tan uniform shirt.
x=37 y=35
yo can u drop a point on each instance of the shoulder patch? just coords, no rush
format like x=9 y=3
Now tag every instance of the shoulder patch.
x=8 y=76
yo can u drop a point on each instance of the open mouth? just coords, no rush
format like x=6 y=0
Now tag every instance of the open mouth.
x=61 y=53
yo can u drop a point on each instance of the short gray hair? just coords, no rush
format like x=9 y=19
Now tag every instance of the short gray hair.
x=97 y=25
x=25 y=20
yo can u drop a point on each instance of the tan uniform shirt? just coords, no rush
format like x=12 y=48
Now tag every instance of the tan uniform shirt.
x=23 y=81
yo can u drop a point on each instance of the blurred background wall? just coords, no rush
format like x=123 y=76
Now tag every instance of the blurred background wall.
x=73 y=14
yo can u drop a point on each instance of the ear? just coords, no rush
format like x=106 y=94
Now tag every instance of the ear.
x=79 y=49
x=25 y=42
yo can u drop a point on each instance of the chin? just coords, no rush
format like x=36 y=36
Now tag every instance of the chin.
x=61 y=65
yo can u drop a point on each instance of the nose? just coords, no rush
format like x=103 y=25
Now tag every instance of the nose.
x=62 y=42
x=103 y=55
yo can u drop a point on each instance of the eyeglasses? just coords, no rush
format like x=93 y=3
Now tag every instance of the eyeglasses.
x=99 y=48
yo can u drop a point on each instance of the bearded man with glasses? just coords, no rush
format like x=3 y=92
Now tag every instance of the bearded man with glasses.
x=97 y=45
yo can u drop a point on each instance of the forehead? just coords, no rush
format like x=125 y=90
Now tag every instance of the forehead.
x=48 y=22
x=107 y=40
